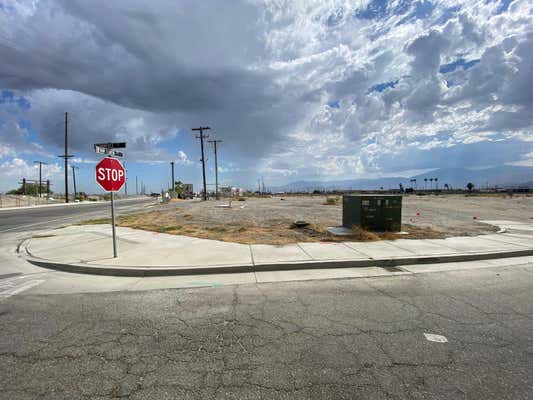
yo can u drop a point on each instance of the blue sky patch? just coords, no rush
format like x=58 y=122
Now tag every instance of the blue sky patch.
x=504 y=5
x=7 y=96
x=376 y=9
x=380 y=87
x=23 y=103
x=460 y=63
x=422 y=9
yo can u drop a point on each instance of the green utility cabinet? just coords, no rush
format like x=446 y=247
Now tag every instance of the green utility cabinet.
x=379 y=213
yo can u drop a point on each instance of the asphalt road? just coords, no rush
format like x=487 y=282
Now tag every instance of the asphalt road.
x=72 y=336
x=332 y=339
x=36 y=218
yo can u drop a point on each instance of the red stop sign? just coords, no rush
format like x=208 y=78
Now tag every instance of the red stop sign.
x=110 y=174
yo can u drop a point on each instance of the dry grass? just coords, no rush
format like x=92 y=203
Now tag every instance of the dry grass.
x=270 y=220
x=277 y=232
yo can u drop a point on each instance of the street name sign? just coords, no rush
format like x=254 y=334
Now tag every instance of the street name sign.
x=110 y=174
x=107 y=148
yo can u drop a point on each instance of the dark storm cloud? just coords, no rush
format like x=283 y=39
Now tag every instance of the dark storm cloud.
x=187 y=63
x=262 y=72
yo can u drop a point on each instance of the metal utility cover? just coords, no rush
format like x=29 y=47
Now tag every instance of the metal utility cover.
x=382 y=213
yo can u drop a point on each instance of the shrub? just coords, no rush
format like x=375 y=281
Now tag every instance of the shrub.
x=331 y=201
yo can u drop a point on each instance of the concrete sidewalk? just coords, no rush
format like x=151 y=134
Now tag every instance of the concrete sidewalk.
x=88 y=249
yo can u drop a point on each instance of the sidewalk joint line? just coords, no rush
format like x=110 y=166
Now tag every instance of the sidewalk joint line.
x=401 y=248
x=306 y=253
x=252 y=256
x=358 y=251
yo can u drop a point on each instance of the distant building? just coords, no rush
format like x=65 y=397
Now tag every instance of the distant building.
x=225 y=191
x=187 y=190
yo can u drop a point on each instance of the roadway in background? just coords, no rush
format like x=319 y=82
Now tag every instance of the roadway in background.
x=47 y=217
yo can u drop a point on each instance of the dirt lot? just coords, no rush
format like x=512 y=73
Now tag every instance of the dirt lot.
x=269 y=220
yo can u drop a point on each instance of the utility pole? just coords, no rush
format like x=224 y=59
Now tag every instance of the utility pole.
x=136 y=186
x=173 y=192
x=263 y=182
x=40 y=175
x=126 y=180
x=202 y=137
x=66 y=156
x=259 y=185
x=74 y=168
x=216 y=165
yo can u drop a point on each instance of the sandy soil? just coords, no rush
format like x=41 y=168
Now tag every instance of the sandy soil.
x=269 y=220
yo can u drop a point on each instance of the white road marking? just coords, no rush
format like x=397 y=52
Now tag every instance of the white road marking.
x=435 y=338
x=11 y=287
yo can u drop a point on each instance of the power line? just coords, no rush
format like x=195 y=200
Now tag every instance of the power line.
x=202 y=137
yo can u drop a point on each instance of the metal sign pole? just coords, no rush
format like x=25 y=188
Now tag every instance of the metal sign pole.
x=107 y=148
x=113 y=224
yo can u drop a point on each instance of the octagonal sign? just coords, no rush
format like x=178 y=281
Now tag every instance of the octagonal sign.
x=110 y=174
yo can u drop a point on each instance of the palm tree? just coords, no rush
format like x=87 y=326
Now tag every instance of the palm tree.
x=178 y=188
x=425 y=183
x=430 y=183
x=436 y=184
x=470 y=186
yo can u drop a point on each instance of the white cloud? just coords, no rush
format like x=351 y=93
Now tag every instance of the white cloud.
x=81 y=160
x=286 y=83
x=183 y=159
x=6 y=150
x=17 y=167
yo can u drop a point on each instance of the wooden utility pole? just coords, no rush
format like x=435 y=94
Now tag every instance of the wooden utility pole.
x=202 y=137
x=66 y=156
x=125 y=180
x=216 y=165
x=74 y=168
x=40 y=176
x=173 y=192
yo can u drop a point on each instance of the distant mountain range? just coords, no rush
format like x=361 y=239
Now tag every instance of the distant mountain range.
x=455 y=177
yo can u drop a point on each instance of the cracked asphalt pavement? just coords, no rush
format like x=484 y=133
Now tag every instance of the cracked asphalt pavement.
x=331 y=339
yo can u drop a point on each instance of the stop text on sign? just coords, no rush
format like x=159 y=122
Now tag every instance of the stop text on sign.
x=110 y=174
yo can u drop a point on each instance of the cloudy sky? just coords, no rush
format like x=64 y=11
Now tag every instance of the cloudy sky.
x=296 y=90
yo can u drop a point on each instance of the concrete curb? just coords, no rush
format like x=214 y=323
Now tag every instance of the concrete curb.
x=141 y=271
